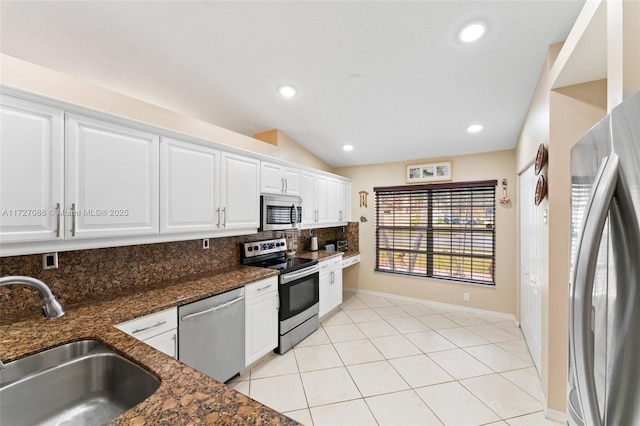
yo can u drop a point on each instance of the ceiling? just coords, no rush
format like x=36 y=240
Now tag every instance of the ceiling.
x=389 y=77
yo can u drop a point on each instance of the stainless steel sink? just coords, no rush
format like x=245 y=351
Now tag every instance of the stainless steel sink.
x=80 y=383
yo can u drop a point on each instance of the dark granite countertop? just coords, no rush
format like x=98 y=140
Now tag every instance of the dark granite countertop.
x=185 y=396
x=326 y=254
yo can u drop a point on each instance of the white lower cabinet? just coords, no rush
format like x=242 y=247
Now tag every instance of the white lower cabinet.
x=166 y=342
x=330 y=284
x=261 y=319
x=158 y=330
x=350 y=261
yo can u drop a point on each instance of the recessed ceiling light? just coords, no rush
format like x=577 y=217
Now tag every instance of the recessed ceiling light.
x=472 y=31
x=474 y=128
x=287 y=91
x=347 y=147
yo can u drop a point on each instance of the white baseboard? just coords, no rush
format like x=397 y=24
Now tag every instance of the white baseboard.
x=553 y=415
x=556 y=416
x=507 y=317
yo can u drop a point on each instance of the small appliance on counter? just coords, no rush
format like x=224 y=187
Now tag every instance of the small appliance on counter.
x=339 y=245
x=312 y=243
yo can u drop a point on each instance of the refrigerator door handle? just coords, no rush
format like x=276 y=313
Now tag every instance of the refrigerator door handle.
x=580 y=333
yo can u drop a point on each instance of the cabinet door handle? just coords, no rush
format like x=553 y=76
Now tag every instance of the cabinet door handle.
x=286 y=185
x=218 y=223
x=58 y=215
x=175 y=345
x=224 y=216
x=282 y=185
x=265 y=287
x=73 y=220
x=140 y=330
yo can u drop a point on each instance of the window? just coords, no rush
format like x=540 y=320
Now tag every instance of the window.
x=439 y=230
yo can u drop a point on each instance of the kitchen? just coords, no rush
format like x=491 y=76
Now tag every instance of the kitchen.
x=101 y=271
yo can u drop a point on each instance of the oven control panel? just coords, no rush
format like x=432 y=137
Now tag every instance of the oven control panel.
x=258 y=248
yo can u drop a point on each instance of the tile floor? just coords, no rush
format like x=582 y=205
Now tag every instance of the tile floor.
x=393 y=362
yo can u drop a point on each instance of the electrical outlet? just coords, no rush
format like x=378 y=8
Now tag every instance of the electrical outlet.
x=467 y=297
x=205 y=243
x=50 y=261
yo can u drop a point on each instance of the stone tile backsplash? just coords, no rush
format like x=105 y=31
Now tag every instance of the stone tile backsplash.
x=99 y=272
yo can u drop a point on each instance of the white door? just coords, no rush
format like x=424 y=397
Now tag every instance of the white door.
x=531 y=236
x=240 y=195
x=31 y=171
x=112 y=180
x=189 y=187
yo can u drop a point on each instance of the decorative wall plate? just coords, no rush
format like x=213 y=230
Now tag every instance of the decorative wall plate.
x=541 y=190
x=541 y=158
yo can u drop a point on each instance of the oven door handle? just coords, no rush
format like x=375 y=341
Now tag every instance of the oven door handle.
x=292 y=276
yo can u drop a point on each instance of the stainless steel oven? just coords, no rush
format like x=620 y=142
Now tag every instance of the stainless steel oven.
x=280 y=212
x=298 y=289
x=299 y=305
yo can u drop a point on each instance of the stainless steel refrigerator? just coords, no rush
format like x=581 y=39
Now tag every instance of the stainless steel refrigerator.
x=604 y=327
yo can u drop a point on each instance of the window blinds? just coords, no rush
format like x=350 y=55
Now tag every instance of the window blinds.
x=439 y=230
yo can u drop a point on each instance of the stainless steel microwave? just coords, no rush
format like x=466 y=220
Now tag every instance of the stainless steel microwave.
x=280 y=212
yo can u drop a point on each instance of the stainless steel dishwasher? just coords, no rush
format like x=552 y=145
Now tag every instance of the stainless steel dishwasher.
x=211 y=334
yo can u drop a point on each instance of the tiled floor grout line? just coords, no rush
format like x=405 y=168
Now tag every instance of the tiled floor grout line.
x=422 y=353
x=409 y=315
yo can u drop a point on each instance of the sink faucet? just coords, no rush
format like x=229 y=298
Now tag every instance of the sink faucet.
x=52 y=308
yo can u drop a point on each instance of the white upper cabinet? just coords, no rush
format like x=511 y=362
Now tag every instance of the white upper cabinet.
x=112 y=179
x=314 y=199
x=322 y=192
x=189 y=187
x=292 y=182
x=240 y=195
x=278 y=179
x=31 y=171
x=324 y=200
x=74 y=179
x=344 y=205
x=333 y=200
x=308 y=199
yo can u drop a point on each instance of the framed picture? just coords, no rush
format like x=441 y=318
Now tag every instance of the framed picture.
x=430 y=172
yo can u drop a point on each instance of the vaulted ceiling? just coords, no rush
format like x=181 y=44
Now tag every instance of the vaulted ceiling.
x=390 y=78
